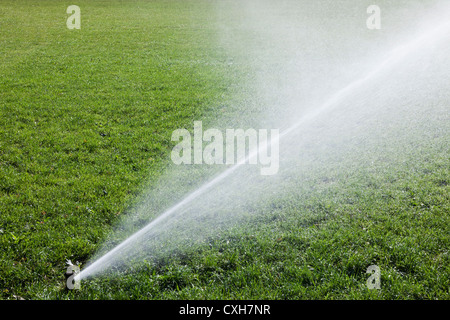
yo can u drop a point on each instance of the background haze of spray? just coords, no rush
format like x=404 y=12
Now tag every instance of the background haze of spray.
x=299 y=54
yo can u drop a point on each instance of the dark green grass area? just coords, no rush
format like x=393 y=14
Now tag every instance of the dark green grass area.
x=86 y=118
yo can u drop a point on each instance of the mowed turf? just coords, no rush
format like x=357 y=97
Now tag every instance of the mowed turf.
x=86 y=120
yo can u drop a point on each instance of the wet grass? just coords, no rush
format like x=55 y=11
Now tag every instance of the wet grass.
x=86 y=118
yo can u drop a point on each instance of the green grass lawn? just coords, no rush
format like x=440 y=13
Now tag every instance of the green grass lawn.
x=86 y=118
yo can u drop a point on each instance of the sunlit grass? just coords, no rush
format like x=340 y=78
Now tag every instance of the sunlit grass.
x=86 y=118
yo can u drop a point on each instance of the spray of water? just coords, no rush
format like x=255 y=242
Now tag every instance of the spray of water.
x=220 y=202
